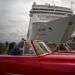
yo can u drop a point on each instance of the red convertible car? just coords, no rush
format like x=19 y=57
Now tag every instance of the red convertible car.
x=39 y=61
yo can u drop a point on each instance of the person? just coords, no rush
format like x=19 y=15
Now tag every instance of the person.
x=61 y=48
x=16 y=51
x=1 y=48
x=27 y=47
x=21 y=46
x=6 y=47
x=11 y=47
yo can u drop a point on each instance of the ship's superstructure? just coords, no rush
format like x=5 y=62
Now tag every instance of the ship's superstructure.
x=46 y=22
x=45 y=13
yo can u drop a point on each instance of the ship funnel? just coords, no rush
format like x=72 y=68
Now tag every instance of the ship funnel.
x=34 y=3
x=47 y=4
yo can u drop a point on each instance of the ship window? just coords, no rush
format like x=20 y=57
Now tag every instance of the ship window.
x=59 y=13
x=38 y=12
x=44 y=9
x=43 y=29
x=50 y=28
x=69 y=14
x=51 y=9
x=47 y=12
x=64 y=11
x=70 y=23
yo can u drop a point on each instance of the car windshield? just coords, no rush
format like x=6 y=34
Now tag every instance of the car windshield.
x=72 y=45
x=41 y=48
x=35 y=48
x=62 y=47
x=25 y=48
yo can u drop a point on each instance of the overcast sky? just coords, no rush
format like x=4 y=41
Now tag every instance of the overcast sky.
x=14 y=16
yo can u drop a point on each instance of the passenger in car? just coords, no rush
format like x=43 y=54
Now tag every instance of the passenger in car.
x=1 y=48
x=11 y=47
x=16 y=51
x=26 y=47
x=61 y=48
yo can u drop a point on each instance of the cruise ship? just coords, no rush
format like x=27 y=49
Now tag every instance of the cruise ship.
x=50 y=23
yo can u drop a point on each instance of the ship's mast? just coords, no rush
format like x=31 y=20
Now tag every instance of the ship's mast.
x=72 y=4
x=53 y=5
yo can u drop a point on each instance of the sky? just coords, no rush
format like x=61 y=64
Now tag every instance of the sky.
x=14 y=16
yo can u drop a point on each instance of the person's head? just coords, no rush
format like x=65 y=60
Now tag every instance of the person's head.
x=12 y=45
